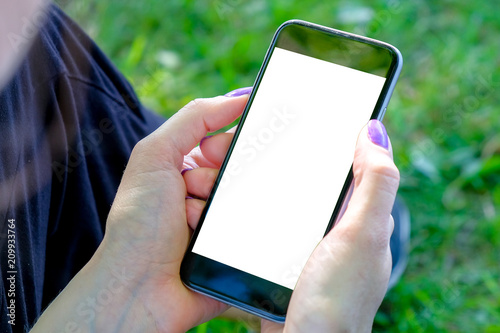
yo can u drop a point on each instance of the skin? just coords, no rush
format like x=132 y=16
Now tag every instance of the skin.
x=151 y=220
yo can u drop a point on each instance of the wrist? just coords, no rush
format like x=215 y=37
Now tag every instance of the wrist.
x=97 y=299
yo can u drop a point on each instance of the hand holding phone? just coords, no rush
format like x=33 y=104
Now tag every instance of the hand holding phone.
x=345 y=290
x=346 y=277
x=315 y=91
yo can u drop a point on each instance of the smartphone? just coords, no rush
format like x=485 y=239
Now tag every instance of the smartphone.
x=289 y=167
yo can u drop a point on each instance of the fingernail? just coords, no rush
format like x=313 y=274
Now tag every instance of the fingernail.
x=201 y=141
x=189 y=197
x=239 y=92
x=184 y=171
x=378 y=134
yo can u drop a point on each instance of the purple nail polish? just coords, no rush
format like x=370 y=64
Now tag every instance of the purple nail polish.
x=239 y=92
x=201 y=141
x=189 y=197
x=184 y=171
x=378 y=134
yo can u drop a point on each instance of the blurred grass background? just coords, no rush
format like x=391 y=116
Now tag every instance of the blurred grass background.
x=444 y=122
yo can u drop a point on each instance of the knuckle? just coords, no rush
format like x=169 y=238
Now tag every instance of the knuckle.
x=381 y=171
x=197 y=103
x=385 y=168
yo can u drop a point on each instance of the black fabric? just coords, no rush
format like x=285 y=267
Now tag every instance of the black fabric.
x=68 y=123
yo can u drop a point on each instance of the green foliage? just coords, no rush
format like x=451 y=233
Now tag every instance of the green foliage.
x=443 y=121
x=222 y=326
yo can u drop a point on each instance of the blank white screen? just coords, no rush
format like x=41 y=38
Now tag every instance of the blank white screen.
x=288 y=167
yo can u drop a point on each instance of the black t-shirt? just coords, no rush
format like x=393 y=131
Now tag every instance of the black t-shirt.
x=68 y=123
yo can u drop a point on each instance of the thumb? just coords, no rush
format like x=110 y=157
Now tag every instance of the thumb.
x=346 y=277
x=376 y=181
x=152 y=187
x=183 y=131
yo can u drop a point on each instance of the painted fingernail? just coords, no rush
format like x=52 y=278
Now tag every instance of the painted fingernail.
x=189 y=197
x=378 y=134
x=239 y=92
x=201 y=141
x=184 y=171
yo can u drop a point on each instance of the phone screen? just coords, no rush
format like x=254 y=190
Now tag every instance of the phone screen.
x=281 y=184
x=288 y=167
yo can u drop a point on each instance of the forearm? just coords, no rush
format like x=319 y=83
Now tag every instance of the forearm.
x=98 y=299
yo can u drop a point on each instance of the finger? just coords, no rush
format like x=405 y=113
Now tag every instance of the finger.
x=181 y=133
x=376 y=180
x=361 y=237
x=199 y=181
x=270 y=327
x=214 y=148
x=196 y=158
x=349 y=271
x=153 y=169
x=194 y=207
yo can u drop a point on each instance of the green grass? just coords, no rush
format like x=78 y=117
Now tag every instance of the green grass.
x=444 y=122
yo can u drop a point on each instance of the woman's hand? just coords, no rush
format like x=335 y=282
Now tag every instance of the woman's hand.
x=345 y=279
x=132 y=283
